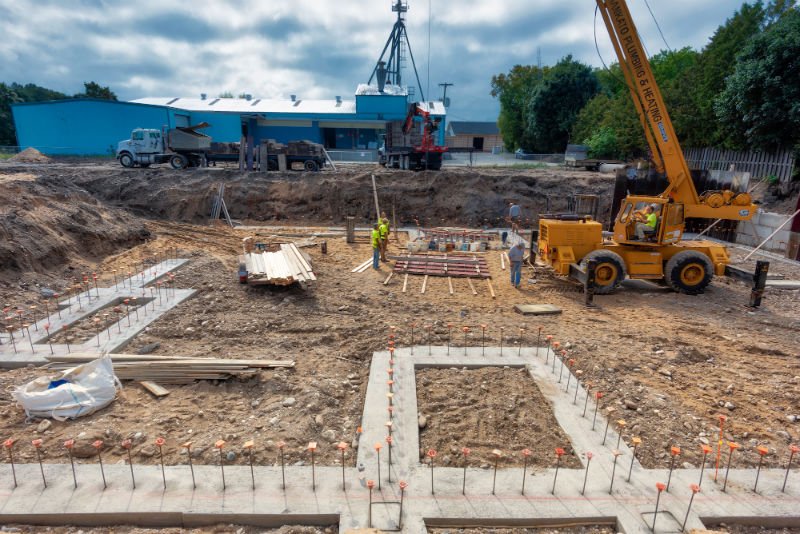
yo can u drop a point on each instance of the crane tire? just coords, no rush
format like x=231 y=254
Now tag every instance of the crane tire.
x=610 y=270
x=310 y=165
x=689 y=272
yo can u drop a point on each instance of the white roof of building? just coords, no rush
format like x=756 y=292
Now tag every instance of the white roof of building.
x=256 y=105
x=434 y=108
x=388 y=89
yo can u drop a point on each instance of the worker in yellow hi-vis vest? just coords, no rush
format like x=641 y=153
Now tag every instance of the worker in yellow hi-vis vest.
x=383 y=227
x=376 y=246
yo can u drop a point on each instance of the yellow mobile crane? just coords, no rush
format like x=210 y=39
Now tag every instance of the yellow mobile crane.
x=568 y=243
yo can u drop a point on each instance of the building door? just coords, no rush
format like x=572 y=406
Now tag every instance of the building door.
x=477 y=143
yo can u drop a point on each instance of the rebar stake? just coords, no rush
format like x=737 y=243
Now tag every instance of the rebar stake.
x=620 y=428
x=597 y=396
x=465 y=329
x=497 y=454
x=792 y=450
x=559 y=454
x=660 y=487
x=483 y=340
x=521 y=330
x=706 y=450
x=188 y=447
x=430 y=333
x=732 y=446
x=249 y=446
x=370 y=485
x=281 y=446
x=98 y=445
x=762 y=451
x=538 y=339
x=578 y=374
x=160 y=443
x=431 y=454
x=449 y=334
x=126 y=444
x=636 y=442
x=68 y=445
x=561 y=367
x=608 y=421
x=9 y=445
x=586 y=474
x=403 y=486
x=695 y=490
x=389 y=442
x=37 y=444
x=219 y=446
x=412 y=337
x=342 y=446
x=570 y=364
x=674 y=452
x=556 y=344
x=549 y=339
x=465 y=453
x=525 y=454
x=616 y=454
x=378 y=446
x=501 y=340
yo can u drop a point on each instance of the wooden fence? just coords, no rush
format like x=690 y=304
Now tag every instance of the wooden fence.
x=758 y=164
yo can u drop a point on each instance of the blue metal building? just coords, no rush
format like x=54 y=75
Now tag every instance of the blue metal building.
x=92 y=127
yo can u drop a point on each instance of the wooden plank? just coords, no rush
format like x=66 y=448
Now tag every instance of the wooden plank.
x=424 y=284
x=491 y=289
x=502 y=261
x=537 y=309
x=360 y=265
x=405 y=283
x=450 y=284
x=154 y=388
x=385 y=282
x=472 y=287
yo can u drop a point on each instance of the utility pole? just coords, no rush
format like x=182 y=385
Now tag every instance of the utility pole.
x=445 y=85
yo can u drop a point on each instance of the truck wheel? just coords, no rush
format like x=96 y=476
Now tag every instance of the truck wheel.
x=178 y=161
x=310 y=165
x=272 y=165
x=689 y=272
x=126 y=160
x=610 y=270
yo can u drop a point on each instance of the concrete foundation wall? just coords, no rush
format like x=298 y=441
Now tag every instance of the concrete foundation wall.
x=754 y=231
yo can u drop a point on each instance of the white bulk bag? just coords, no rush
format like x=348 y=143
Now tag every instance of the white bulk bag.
x=83 y=390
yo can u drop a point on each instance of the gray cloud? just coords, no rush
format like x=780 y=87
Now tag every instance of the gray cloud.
x=311 y=48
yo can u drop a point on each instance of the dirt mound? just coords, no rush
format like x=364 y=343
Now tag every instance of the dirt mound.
x=45 y=225
x=466 y=197
x=30 y=155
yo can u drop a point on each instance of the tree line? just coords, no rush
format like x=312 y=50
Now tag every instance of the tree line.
x=15 y=93
x=741 y=92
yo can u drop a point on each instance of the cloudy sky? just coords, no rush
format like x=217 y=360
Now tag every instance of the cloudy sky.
x=314 y=48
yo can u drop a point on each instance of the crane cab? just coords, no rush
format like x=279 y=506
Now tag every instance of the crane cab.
x=669 y=226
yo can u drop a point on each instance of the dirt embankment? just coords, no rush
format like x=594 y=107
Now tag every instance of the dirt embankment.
x=472 y=197
x=48 y=224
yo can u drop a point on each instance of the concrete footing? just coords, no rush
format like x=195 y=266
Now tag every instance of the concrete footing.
x=629 y=508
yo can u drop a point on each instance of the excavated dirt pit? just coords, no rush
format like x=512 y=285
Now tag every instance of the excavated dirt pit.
x=485 y=409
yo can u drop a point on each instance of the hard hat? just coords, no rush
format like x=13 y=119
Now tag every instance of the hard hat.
x=654 y=206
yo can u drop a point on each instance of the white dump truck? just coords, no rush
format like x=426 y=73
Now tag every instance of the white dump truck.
x=180 y=147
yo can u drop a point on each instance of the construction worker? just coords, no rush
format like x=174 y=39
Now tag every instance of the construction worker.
x=650 y=222
x=514 y=215
x=383 y=228
x=376 y=246
x=515 y=257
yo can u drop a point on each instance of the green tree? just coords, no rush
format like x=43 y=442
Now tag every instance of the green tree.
x=513 y=91
x=554 y=105
x=95 y=90
x=760 y=105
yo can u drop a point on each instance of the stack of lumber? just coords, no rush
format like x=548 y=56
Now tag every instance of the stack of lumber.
x=170 y=369
x=282 y=267
x=442 y=265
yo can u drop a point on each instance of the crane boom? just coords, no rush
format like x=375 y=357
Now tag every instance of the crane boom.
x=658 y=128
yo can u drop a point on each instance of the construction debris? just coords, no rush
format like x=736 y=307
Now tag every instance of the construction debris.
x=155 y=389
x=275 y=264
x=170 y=369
